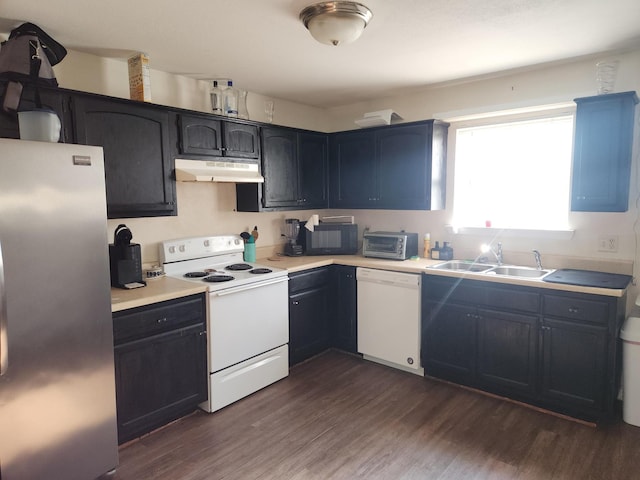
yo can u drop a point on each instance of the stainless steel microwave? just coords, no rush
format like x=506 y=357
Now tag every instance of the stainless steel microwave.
x=390 y=245
x=329 y=239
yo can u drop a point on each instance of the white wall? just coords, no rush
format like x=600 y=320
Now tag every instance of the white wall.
x=548 y=85
x=203 y=208
x=208 y=209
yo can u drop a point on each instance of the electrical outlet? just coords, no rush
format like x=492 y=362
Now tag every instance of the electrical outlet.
x=608 y=243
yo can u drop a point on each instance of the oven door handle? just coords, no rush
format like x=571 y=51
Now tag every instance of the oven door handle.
x=4 y=341
x=251 y=286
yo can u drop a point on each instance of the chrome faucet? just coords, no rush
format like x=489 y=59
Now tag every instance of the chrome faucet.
x=536 y=255
x=496 y=253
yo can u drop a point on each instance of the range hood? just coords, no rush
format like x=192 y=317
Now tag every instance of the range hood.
x=217 y=171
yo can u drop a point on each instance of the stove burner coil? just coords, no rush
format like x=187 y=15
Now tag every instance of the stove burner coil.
x=259 y=271
x=239 y=266
x=218 y=278
x=195 y=274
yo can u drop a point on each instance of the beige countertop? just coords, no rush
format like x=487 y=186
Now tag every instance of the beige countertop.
x=164 y=288
x=157 y=290
x=296 y=264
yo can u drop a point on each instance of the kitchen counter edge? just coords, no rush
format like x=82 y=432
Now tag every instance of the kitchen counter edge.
x=166 y=288
x=297 y=264
x=157 y=290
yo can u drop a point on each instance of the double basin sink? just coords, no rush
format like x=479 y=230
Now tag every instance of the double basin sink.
x=488 y=269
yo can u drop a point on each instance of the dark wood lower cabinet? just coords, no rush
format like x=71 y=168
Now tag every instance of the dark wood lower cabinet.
x=448 y=341
x=322 y=311
x=160 y=364
x=507 y=344
x=553 y=349
x=309 y=294
x=574 y=363
x=344 y=317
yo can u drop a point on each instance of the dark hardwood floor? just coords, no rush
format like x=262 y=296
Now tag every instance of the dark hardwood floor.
x=340 y=417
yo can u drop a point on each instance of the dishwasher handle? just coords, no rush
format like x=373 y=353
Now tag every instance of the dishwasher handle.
x=386 y=277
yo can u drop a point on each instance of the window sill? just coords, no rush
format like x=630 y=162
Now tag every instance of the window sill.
x=511 y=232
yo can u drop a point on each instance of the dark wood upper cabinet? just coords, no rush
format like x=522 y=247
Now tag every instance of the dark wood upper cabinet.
x=396 y=167
x=137 y=154
x=294 y=165
x=200 y=135
x=602 y=152
x=203 y=136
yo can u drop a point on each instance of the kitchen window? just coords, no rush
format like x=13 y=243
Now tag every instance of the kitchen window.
x=514 y=172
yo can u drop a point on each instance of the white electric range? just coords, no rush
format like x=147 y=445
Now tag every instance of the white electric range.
x=247 y=318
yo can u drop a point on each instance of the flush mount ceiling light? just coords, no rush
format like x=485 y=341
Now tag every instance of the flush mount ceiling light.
x=335 y=23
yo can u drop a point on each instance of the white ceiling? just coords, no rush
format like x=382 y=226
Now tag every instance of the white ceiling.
x=264 y=48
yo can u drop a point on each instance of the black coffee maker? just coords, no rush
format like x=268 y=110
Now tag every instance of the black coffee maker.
x=125 y=260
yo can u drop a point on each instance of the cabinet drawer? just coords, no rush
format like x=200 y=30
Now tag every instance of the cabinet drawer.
x=576 y=308
x=309 y=279
x=479 y=293
x=452 y=290
x=161 y=317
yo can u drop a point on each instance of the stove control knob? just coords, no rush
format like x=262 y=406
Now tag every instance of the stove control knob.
x=172 y=249
x=182 y=248
x=207 y=243
x=236 y=241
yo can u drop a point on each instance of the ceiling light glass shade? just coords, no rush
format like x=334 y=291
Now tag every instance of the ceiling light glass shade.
x=335 y=23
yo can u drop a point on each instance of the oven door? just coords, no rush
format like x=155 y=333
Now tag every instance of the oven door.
x=246 y=321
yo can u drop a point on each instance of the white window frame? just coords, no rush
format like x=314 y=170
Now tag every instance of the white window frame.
x=510 y=116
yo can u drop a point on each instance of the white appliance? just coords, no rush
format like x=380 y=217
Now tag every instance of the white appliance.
x=247 y=318
x=57 y=387
x=389 y=318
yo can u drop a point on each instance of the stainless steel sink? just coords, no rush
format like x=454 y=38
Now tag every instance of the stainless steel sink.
x=462 y=266
x=511 y=271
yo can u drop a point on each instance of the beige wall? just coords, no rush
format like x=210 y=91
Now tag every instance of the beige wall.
x=208 y=208
x=549 y=85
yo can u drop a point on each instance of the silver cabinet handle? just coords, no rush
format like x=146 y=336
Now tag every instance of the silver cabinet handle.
x=4 y=340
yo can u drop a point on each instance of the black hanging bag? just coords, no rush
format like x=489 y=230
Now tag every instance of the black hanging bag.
x=26 y=58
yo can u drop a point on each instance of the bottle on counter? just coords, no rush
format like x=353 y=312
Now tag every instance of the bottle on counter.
x=446 y=252
x=230 y=100
x=435 y=251
x=427 y=245
x=216 y=99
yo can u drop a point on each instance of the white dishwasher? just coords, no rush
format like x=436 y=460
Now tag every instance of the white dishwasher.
x=389 y=318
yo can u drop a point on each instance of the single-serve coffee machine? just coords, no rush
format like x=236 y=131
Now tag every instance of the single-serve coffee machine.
x=291 y=231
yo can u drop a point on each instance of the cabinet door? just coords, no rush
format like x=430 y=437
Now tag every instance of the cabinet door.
x=353 y=178
x=602 y=153
x=449 y=341
x=280 y=168
x=507 y=351
x=137 y=158
x=241 y=140
x=574 y=363
x=345 y=316
x=159 y=379
x=308 y=323
x=404 y=166
x=200 y=135
x=312 y=170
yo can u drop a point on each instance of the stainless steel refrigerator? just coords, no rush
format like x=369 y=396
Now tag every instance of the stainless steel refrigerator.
x=57 y=393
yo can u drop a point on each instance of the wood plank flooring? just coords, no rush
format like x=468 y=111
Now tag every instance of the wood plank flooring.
x=340 y=417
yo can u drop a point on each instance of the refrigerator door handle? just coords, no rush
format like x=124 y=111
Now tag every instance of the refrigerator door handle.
x=4 y=341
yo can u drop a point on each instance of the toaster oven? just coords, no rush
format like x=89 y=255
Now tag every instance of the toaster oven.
x=390 y=245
